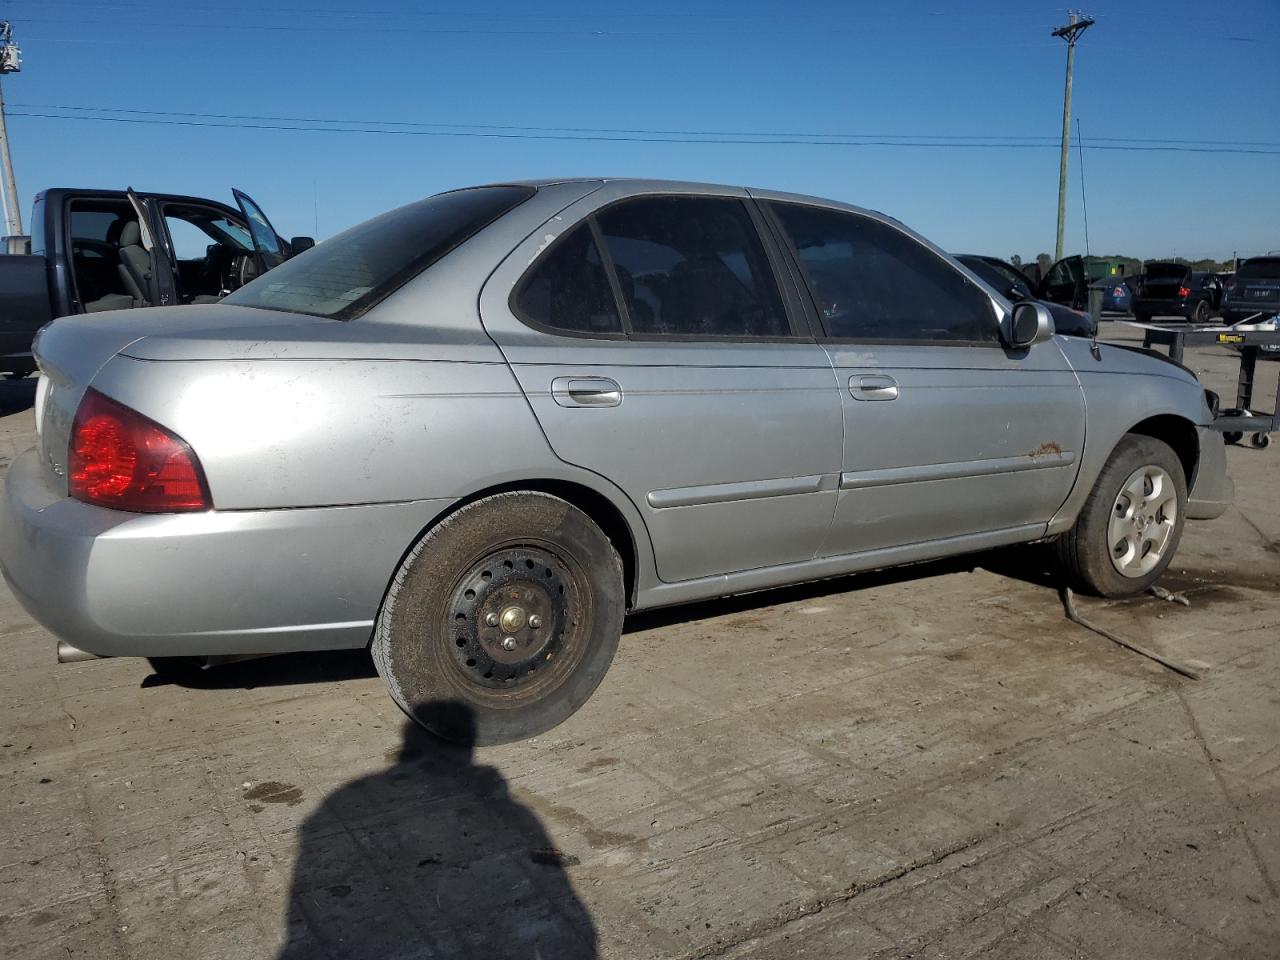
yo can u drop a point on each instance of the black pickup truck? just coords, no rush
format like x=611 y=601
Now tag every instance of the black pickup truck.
x=96 y=250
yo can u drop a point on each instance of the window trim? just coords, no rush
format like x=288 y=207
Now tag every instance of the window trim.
x=798 y=325
x=822 y=333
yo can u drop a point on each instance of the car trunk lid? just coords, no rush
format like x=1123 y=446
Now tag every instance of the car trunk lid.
x=1161 y=281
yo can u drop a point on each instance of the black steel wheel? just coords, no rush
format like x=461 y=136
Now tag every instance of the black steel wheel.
x=509 y=610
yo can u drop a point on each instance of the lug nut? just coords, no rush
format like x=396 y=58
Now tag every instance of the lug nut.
x=509 y=643
x=535 y=621
x=491 y=619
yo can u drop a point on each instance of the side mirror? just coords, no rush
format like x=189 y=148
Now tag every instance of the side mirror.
x=298 y=244
x=1030 y=322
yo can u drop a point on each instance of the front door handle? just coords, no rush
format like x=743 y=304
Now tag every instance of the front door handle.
x=586 y=392
x=873 y=387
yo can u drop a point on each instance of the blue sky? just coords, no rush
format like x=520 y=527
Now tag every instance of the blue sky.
x=1190 y=71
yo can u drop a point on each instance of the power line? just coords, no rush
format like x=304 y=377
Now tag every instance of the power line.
x=550 y=30
x=630 y=130
x=607 y=138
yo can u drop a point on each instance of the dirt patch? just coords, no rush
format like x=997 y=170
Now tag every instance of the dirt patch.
x=597 y=764
x=552 y=857
x=1217 y=585
x=596 y=838
x=272 y=791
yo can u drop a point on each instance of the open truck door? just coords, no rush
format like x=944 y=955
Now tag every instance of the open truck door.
x=1066 y=283
x=269 y=250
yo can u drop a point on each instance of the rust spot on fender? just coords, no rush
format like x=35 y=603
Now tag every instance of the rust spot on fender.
x=1048 y=448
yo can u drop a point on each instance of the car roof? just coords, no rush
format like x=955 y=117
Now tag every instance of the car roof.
x=655 y=185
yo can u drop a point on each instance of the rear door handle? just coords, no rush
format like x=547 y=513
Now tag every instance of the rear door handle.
x=873 y=387
x=586 y=392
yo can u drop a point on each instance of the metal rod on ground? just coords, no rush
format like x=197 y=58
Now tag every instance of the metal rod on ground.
x=1070 y=33
x=1074 y=617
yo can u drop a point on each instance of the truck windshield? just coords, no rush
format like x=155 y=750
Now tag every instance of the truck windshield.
x=346 y=275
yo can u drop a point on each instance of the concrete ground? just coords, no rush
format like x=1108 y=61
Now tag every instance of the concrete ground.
x=930 y=762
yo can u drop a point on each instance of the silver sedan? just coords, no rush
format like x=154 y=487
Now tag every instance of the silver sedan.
x=476 y=431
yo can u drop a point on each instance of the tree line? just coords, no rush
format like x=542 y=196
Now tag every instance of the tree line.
x=1132 y=266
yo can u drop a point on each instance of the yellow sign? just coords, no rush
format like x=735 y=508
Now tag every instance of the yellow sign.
x=1230 y=338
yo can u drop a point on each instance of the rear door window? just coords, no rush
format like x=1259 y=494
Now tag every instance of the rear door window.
x=692 y=267
x=870 y=281
x=568 y=288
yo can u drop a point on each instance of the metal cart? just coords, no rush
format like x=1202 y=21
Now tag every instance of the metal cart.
x=1235 y=422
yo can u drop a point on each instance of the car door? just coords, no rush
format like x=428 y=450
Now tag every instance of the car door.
x=269 y=252
x=659 y=347
x=950 y=438
x=1066 y=283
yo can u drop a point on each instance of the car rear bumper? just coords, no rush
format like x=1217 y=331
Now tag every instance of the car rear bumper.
x=1168 y=308
x=1234 y=313
x=222 y=582
x=1212 y=491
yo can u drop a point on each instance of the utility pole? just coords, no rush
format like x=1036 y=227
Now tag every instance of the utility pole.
x=10 y=62
x=1069 y=33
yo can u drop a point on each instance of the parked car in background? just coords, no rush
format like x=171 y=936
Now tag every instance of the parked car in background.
x=1254 y=291
x=1016 y=286
x=1117 y=294
x=476 y=431
x=97 y=250
x=1175 y=290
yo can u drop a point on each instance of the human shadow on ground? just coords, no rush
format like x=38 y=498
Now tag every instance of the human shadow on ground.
x=432 y=857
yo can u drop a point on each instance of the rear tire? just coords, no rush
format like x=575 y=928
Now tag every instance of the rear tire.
x=1129 y=527
x=1201 y=313
x=1141 y=317
x=503 y=620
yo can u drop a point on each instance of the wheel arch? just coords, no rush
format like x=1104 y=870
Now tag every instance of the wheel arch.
x=1179 y=433
x=619 y=522
x=603 y=511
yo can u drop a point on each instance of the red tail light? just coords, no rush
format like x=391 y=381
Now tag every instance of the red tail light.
x=1184 y=292
x=120 y=459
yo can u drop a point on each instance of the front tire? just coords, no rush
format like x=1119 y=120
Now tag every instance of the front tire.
x=503 y=620
x=1130 y=526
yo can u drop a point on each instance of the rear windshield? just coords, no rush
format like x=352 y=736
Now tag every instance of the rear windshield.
x=1167 y=271
x=1261 y=269
x=346 y=275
